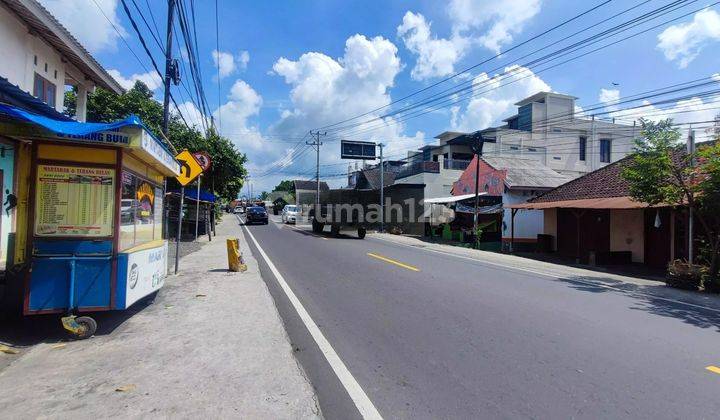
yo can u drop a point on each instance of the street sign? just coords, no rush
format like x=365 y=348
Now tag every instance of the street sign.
x=357 y=150
x=203 y=158
x=189 y=168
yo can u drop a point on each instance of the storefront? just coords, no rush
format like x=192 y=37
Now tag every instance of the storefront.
x=91 y=232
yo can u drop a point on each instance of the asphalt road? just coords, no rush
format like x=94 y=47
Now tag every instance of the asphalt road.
x=428 y=335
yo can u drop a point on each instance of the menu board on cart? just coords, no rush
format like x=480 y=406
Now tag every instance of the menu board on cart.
x=74 y=201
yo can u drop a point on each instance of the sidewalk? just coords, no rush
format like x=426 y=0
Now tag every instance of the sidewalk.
x=211 y=345
x=592 y=280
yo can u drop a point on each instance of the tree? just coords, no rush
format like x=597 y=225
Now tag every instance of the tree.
x=264 y=195
x=660 y=172
x=228 y=168
x=285 y=186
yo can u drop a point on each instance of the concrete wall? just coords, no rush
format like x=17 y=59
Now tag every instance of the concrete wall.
x=627 y=233
x=528 y=223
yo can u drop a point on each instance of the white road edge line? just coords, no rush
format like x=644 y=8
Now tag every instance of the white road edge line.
x=362 y=402
x=555 y=277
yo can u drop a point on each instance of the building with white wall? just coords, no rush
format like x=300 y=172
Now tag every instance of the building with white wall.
x=42 y=58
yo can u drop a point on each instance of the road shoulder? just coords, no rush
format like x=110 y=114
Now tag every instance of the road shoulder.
x=211 y=344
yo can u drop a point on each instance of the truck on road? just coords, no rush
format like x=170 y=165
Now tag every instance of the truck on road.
x=343 y=210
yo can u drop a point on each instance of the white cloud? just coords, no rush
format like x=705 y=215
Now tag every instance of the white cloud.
x=228 y=63
x=498 y=21
x=609 y=96
x=496 y=98
x=243 y=102
x=474 y=22
x=192 y=115
x=436 y=57
x=325 y=90
x=87 y=23
x=151 y=79
x=683 y=42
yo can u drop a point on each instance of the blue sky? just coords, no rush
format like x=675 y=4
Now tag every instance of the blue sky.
x=291 y=66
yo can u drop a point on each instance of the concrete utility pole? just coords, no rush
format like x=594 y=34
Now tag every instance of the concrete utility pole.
x=171 y=75
x=382 y=189
x=477 y=148
x=317 y=143
x=690 y=151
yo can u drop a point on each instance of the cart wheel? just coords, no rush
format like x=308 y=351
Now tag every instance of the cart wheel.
x=88 y=326
x=361 y=232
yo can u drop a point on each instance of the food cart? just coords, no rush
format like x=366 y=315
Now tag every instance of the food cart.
x=94 y=223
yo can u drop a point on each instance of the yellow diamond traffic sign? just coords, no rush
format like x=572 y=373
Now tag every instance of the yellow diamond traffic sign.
x=189 y=168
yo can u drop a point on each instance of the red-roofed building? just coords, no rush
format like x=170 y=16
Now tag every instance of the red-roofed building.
x=594 y=219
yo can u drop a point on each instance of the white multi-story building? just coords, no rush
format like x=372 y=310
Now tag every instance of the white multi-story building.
x=548 y=128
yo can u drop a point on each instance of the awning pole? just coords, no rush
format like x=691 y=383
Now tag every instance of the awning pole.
x=513 y=212
x=197 y=207
x=179 y=229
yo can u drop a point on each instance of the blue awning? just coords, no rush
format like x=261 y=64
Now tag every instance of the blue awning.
x=191 y=193
x=70 y=128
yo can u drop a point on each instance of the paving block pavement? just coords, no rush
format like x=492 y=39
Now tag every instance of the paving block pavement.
x=210 y=344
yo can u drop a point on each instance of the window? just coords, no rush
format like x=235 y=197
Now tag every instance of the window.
x=583 y=148
x=140 y=211
x=44 y=90
x=605 y=148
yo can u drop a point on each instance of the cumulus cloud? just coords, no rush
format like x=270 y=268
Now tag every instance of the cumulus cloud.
x=88 y=22
x=436 y=57
x=495 y=21
x=496 y=98
x=151 y=79
x=474 y=22
x=326 y=89
x=683 y=42
x=229 y=63
x=192 y=114
x=243 y=102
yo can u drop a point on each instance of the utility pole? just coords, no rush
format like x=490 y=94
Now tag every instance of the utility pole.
x=690 y=152
x=382 y=189
x=170 y=70
x=171 y=74
x=317 y=143
x=477 y=148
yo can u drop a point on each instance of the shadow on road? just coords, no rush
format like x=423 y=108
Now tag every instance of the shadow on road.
x=689 y=307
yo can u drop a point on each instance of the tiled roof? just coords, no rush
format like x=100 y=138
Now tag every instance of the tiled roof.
x=310 y=185
x=373 y=178
x=602 y=183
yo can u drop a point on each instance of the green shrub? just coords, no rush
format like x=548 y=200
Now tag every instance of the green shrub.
x=683 y=275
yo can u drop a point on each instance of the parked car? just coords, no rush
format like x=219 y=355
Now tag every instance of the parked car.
x=256 y=214
x=239 y=210
x=290 y=213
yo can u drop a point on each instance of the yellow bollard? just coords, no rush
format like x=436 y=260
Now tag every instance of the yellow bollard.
x=235 y=261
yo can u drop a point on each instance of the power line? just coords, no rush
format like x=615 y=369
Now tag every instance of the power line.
x=654 y=14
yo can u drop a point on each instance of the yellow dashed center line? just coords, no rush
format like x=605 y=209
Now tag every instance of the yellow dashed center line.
x=388 y=260
x=713 y=369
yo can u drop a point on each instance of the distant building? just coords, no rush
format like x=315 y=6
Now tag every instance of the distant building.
x=547 y=128
x=306 y=191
